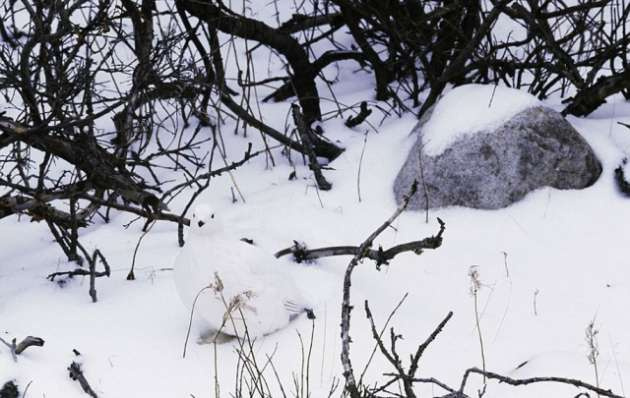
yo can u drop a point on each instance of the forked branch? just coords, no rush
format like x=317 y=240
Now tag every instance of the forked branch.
x=351 y=384
x=532 y=380
x=382 y=256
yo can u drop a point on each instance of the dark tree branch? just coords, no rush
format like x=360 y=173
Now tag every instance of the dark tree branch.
x=407 y=377
x=251 y=29
x=351 y=384
x=354 y=121
x=76 y=373
x=38 y=209
x=590 y=98
x=453 y=69
x=352 y=19
x=100 y=166
x=321 y=146
x=380 y=256
x=91 y=271
x=301 y=22
x=286 y=91
x=533 y=380
x=29 y=341
x=413 y=368
x=306 y=135
x=76 y=272
x=18 y=348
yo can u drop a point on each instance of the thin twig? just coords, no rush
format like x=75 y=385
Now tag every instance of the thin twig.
x=190 y=320
x=533 y=380
x=305 y=132
x=360 y=164
x=379 y=335
x=131 y=275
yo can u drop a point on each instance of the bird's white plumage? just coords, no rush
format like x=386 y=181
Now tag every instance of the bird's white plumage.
x=255 y=287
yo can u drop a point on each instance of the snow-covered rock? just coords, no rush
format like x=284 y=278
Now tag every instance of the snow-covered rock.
x=468 y=109
x=493 y=165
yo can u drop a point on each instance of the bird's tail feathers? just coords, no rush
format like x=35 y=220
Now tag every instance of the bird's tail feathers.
x=296 y=309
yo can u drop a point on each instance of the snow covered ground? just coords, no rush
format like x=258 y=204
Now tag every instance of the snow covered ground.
x=549 y=265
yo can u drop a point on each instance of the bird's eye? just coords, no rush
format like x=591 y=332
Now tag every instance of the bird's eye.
x=212 y=215
x=200 y=223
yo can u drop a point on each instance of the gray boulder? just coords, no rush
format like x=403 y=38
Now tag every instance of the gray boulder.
x=493 y=169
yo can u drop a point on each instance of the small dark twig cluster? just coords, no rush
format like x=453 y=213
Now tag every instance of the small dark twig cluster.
x=620 y=178
x=359 y=118
x=96 y=257
x=9 y=390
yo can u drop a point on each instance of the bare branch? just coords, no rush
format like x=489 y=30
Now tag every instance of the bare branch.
x=346 y=308
x=76 y=373
x=533 y=380
x=301 y=253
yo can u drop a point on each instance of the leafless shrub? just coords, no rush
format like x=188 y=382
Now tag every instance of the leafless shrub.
x=120 y=106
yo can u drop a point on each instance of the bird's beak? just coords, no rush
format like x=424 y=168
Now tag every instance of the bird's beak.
x=201 y=224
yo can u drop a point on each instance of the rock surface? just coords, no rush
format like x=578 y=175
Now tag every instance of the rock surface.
x=493 y=169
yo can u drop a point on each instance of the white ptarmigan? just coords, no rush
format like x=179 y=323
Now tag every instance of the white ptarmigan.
x=238 y=287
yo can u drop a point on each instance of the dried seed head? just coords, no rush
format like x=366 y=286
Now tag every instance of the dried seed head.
x=218 y=283
x=591 y=341
x=475 y=281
